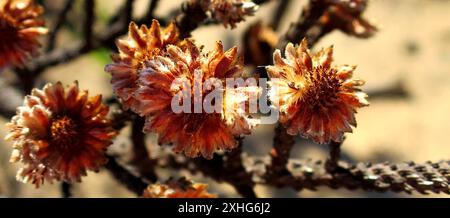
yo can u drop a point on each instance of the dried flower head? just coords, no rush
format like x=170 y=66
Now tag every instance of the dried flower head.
x=178 y=190
x=229 y=12
x=141 y=45
x=59 y=134
x=346 y=15
x=20 y=26
x=199 y=131
x=316 y=100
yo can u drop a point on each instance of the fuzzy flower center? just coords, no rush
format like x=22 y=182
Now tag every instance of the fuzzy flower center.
x=64 y=132
x=322 y=89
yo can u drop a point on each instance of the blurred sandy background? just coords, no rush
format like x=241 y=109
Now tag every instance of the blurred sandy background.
x=412 y=45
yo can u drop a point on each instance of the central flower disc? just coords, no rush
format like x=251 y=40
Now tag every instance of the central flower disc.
x=64 y=132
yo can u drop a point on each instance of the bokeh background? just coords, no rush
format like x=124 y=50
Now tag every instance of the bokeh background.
x=411 y=48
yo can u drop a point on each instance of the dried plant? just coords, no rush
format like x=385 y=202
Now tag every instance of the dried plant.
x=20 y=25
x=60 y=133
x=316 y=100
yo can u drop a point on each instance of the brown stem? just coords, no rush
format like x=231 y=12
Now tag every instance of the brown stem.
x=190 y=18
x=66 y=191
x=88 y=28
x=395 y=90
x=141 y=157
x=235 y=173
x=280 y=11
x=308 y=19
x=283 y=144
x=60 y=20
x=335 y=154
x=151 y=10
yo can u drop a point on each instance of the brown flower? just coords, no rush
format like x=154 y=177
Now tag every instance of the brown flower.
x=59 y=134
x=229 y=12
x=194 y=132
x=175 y=190
x=346 y=15
x=20 y=26
x=141 y=45
x=316 y=100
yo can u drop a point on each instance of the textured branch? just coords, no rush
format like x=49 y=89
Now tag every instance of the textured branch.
x=381 y=177
x=283 y=144
x=235 y=172
x=309 y=174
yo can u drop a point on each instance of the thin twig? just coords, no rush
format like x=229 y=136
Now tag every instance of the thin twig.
x=88 y=28
x=123 y=13
x=191 y=16
x=280 y=11
x=151 y=10
x=60 y=20
x=141 y=157
x=127 y=14
x=307 y=20
x=394 y=90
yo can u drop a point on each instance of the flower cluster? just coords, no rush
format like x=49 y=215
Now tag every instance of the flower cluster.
x=20 y=26
x=178 y=190
x=59 y=134
x=316 y=100
x=143 y=72
x=229 y=12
